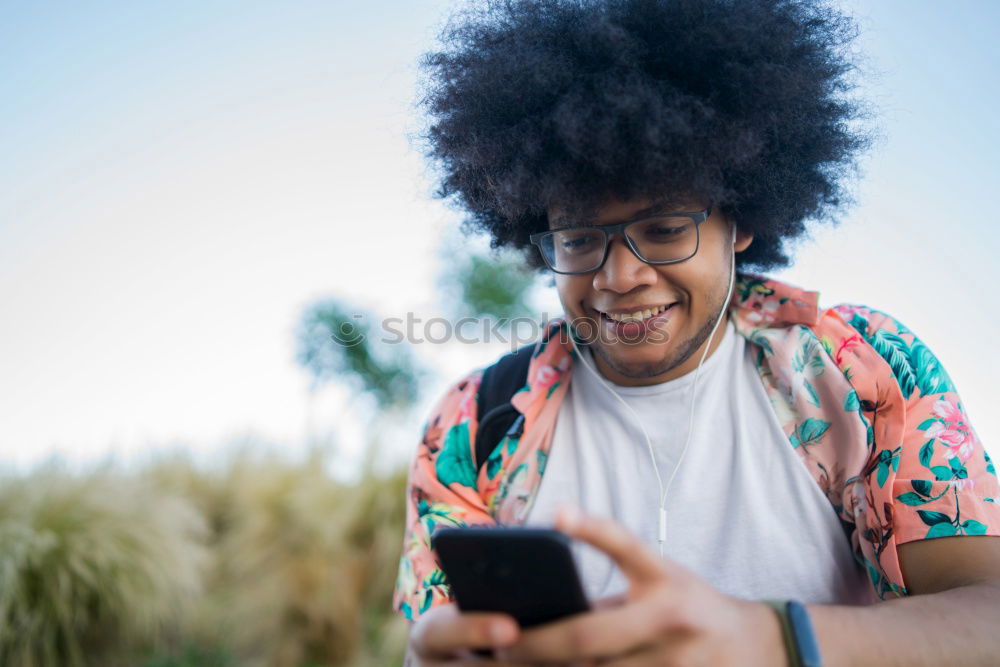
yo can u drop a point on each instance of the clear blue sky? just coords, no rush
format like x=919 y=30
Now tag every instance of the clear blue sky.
x=177 y=180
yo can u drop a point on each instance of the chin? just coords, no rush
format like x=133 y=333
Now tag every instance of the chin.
x=635 y=363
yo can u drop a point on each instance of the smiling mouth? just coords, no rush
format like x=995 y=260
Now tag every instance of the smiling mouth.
x=637 y=317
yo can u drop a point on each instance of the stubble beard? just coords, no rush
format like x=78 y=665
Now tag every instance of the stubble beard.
x=682 y=354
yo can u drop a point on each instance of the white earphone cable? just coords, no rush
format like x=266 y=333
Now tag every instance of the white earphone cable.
x=662 y=529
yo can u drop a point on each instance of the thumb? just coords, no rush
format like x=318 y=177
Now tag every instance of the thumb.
x=443 y=630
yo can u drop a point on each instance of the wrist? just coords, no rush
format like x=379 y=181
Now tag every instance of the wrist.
x=766 y=634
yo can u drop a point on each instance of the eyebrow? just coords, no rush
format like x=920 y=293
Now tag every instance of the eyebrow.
x=561 y=221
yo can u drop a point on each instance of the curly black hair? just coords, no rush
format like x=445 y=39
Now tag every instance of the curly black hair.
x=746 y=103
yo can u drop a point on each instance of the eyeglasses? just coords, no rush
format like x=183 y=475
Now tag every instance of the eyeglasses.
x=659 y=239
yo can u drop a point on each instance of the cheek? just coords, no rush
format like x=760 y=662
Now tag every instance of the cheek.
x=696 y=285
x=572 y=290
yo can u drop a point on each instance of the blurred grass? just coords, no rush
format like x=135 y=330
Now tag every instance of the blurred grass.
x=259 y=561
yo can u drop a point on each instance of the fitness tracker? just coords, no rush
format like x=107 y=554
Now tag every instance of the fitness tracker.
x=797 y=630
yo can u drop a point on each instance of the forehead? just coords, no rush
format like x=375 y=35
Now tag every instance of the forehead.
x=613 y=210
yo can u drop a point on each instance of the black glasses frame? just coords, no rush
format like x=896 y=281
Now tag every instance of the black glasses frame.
x=697 y=217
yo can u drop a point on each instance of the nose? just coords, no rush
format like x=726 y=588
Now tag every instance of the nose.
x=622 y=270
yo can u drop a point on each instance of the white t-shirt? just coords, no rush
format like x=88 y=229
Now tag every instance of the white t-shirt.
x=743 y=511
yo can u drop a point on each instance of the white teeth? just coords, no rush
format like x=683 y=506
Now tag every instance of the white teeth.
x=638 y=316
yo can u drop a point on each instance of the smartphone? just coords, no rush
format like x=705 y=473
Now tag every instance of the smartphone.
x=528 y=573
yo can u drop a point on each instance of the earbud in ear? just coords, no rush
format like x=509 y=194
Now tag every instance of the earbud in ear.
x=734 y=233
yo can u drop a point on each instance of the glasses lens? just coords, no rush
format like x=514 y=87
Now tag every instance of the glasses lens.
x=572 y=250
x=664 y=238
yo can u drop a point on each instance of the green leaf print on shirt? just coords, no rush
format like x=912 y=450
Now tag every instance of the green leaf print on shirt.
x=972 y=527
x=932 y=378
x=921 y=494
x=493 y=464
x=926 y=453
x=942 y=525
x=933 y=518
x=896 y=352
x=912 y=499
x=887 y=459
x=941 y=530
x=543 y=458
x=454 y=463
x=809 y=432
x=813 y=396
x=914 y=366
x=747 y=286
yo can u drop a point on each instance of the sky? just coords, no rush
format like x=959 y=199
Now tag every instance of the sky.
x=178 y=181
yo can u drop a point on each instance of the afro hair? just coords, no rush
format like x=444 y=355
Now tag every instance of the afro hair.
x=747 y=103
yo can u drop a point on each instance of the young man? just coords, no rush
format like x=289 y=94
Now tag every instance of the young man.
x=728 y=440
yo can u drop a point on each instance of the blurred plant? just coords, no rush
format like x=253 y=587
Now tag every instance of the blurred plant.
x=193 y=656
x=92 y=566
x=302 y=565
x=496 y=284
x=335 y=342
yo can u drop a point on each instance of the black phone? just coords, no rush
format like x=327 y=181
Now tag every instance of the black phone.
x=528 y=573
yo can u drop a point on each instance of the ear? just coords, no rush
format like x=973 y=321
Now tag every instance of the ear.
x=743 y=237
x=743 y=240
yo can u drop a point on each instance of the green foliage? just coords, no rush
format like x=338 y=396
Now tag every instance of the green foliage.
x=92 y=566
x=495 y=287
x=193 y=656
x=496 y=284
x=335 y=341
x=303 y=566
x=259 y=561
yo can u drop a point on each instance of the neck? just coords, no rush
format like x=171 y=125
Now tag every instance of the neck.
x=688 y=365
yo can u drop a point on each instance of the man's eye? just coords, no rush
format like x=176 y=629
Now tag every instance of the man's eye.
x=578 y=242
x=665 y=233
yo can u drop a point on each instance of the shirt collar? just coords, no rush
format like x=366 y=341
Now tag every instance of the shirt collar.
x=761 y=302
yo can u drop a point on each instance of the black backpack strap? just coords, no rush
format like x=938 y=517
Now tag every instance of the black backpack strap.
x=495 y=414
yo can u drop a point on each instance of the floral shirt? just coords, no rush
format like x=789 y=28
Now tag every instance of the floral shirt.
x=869 y=409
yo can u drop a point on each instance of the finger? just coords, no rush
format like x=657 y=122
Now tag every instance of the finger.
x=597 y=634
x=445 y=629
x=631 y=554
x=610 y=601
x=471 y=660
x=644 y=657
x=654 y=655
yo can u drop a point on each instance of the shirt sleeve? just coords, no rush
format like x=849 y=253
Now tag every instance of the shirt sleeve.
x=944 y=483
x=441 y=491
